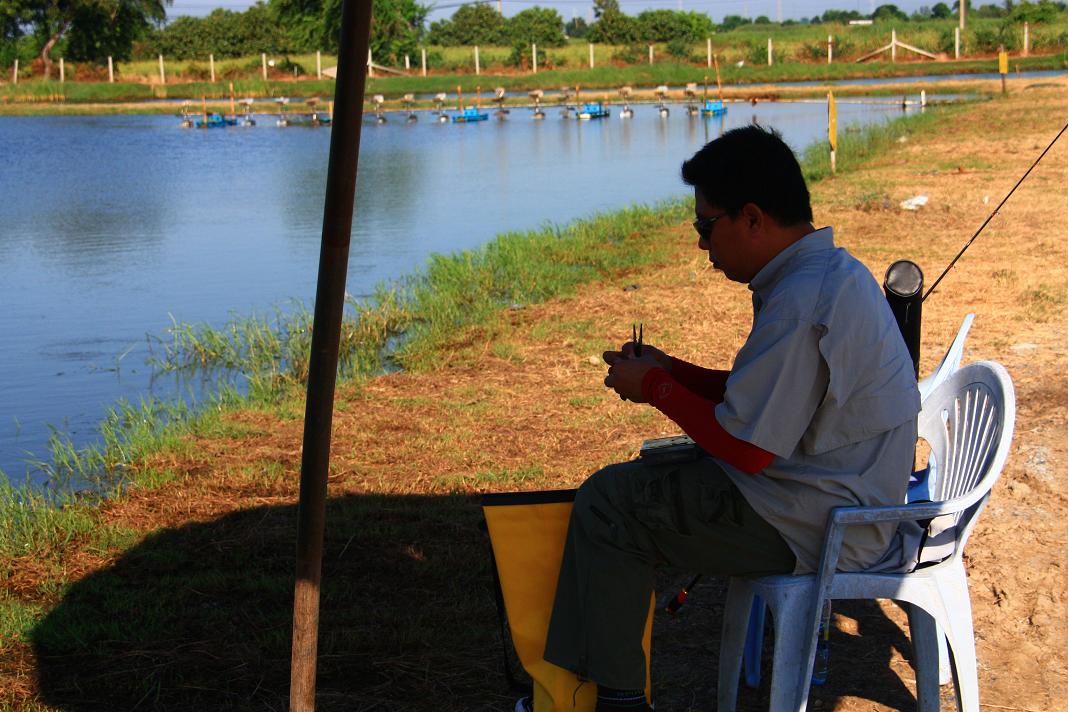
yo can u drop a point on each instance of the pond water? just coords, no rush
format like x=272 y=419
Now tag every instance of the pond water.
x=112 y=226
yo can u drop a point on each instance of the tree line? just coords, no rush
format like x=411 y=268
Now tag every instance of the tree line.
x=93 y=30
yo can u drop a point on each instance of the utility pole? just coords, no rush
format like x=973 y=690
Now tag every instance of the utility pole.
x=778 y=11
x=500 y=7
x=962 y=14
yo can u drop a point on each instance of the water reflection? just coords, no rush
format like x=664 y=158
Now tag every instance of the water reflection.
x=122 y=222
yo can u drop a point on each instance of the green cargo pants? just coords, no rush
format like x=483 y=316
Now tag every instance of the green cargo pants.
x=627 y=519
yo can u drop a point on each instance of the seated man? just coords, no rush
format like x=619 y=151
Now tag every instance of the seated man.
x=818 y=411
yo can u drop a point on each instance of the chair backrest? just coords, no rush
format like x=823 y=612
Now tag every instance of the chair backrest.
x=950 y=362
x=968 y=422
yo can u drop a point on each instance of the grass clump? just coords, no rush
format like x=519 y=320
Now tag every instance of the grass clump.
x=856 y=148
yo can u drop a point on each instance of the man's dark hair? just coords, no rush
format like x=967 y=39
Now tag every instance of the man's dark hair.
x=751 y=164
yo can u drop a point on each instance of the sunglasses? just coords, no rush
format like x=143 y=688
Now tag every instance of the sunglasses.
x=704 y=226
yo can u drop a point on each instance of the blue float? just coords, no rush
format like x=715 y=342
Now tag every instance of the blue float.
x=469 y=115
x=713 y=108
x=593 y=110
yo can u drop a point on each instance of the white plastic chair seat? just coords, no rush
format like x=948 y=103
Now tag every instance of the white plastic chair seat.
x=968 y=421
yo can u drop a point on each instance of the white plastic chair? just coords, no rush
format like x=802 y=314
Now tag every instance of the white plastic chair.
x=968 y=421
x=755 y=638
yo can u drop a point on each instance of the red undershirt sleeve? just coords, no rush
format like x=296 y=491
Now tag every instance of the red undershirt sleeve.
x=705 y=382
x=697 y=418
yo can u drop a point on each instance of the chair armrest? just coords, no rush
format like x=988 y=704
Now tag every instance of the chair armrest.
x=847 y=516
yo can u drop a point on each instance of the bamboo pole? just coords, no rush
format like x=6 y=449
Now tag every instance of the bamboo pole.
x=211 y=64
x=162 y=74
x=326 y=330
x=111 y=70
x=62 y=72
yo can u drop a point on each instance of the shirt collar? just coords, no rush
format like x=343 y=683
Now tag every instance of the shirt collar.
x=772 y=272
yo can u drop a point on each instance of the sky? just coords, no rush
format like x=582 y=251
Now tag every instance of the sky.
x=717 y=9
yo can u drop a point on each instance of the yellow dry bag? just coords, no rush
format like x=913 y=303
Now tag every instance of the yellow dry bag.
x=527 y=531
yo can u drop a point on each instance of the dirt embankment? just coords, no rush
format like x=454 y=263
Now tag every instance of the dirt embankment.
x=520 y=405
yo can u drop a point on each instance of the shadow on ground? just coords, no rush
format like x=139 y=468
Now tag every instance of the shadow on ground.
x=199 y=617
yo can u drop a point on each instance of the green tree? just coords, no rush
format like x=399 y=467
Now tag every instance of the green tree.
x=667 y=25
x=540 y=25
x=731 y=22
x=762 y=20
x=889 y=12
x=396 y=25
x=96 y=27
x=989 y=11
x=576 y=27
x=223 y=33
x=614 y=27
x=470 y=25
x=842 y=16
x=941 y=11
x=1042 y=11
x=600 y=7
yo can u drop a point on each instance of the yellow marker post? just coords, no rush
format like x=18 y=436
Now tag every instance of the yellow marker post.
x=1003 y=67
x=832 y=128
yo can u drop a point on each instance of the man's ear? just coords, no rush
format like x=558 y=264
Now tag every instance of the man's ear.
x=753 y=216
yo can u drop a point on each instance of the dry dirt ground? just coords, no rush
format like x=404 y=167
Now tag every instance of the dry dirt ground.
x=520 y=405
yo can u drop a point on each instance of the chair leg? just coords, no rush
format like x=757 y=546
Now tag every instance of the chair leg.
x=791 y=673
x=961 y=634
x=945 y=674
x=924 y=633
x=754 y=643
x=732 y=642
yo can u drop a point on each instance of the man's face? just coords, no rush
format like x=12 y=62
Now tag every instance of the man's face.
x=724 y=238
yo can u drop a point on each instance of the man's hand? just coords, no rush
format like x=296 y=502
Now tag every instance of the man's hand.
x=627 y=352
x=625 y=375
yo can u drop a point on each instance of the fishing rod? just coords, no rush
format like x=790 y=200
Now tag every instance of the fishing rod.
x=991 y=216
